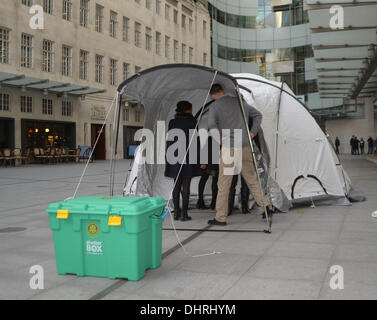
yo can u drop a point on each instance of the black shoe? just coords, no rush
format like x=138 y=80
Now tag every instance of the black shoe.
x=201 y=205
x=245 y=210
x=214 y=222
x=269 y=212
x=177 y=214
x=213 y=205
x=185 y=216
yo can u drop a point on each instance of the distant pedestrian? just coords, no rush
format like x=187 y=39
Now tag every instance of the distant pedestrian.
x=362 y=144
x=370 y=145
x=357 y=145
x=352 y=144
x=337 y=144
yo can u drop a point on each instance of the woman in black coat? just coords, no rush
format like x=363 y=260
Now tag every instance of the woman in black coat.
x=182 y=173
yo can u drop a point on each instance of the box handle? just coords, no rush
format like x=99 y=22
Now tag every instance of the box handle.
x=62 y=214
x=115 y=220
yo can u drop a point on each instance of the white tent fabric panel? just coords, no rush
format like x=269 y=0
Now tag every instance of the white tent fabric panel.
x=302 y=148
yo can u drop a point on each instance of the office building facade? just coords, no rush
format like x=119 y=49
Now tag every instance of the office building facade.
x=57 y=82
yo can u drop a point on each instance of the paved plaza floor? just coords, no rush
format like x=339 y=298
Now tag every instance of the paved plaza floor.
x=291 y=263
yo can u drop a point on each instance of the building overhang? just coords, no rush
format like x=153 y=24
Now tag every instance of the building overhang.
x=345 y=57
x=46 y=86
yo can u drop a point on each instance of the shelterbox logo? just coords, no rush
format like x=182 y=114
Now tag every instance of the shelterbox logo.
x=94 y=247
x=92 y=229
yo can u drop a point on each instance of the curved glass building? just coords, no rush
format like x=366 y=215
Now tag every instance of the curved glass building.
x=266 y=37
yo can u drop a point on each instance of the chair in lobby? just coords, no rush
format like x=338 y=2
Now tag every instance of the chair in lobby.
x=53 y=157
x=18 y=157
x=40 y=155
x=8 y=157
x=64 y=156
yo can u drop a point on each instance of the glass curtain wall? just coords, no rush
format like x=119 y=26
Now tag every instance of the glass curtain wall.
x=270 y=17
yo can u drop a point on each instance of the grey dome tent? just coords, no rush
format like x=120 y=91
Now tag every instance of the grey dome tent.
x=296 y=162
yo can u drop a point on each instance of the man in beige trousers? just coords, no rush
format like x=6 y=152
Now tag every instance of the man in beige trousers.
x=235 y=156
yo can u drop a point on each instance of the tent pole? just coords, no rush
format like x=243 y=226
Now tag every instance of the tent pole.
x=268 y=220
x=114 y=143
x=277 y=132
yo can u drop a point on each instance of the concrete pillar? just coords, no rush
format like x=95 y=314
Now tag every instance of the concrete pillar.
x=369 y=116
x=17 y=133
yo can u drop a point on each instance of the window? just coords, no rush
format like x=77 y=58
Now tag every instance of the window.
x=183 y=21
x=191 y=55
x=84 y=64
x=4 y=45
x=175 y=50
x=126 y=114
x=28 y=3
x=48 y=56
x=99 y=69
x=137 y=34
x=66 y=61
x=148 y=4
x=84 y=13
x=204 y=59
x=47 y=106
x=113 y=24
x=26 y=104
x=48 y=6
x=67 y=10
x=137 y=69
x=66 y=108
x=137 y=115
x=4 y=102
x=167 y=12
x=175 y=19
x=26 y=50
x=148 y=39
x=158 y=43
x=191 y=22
x=113 y=72
x=167 y=46
x=99 y=18
x=126 y=29
x=204 y=29
x=158 y=7
x=183 y=53
x=126 y=70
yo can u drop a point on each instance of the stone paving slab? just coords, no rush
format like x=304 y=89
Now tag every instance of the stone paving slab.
x=291 y=263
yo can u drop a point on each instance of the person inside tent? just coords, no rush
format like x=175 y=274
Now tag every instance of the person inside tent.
x=210 y=170
x=225 y=117
x=245 y=194
x=181 y=171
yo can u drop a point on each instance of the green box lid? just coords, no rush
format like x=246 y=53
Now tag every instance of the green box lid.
x=116 y=205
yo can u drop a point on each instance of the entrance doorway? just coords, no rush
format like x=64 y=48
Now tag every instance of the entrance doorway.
x=100 y=151
x=6 y=133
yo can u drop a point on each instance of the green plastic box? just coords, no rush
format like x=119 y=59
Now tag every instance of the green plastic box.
x=114 y=237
